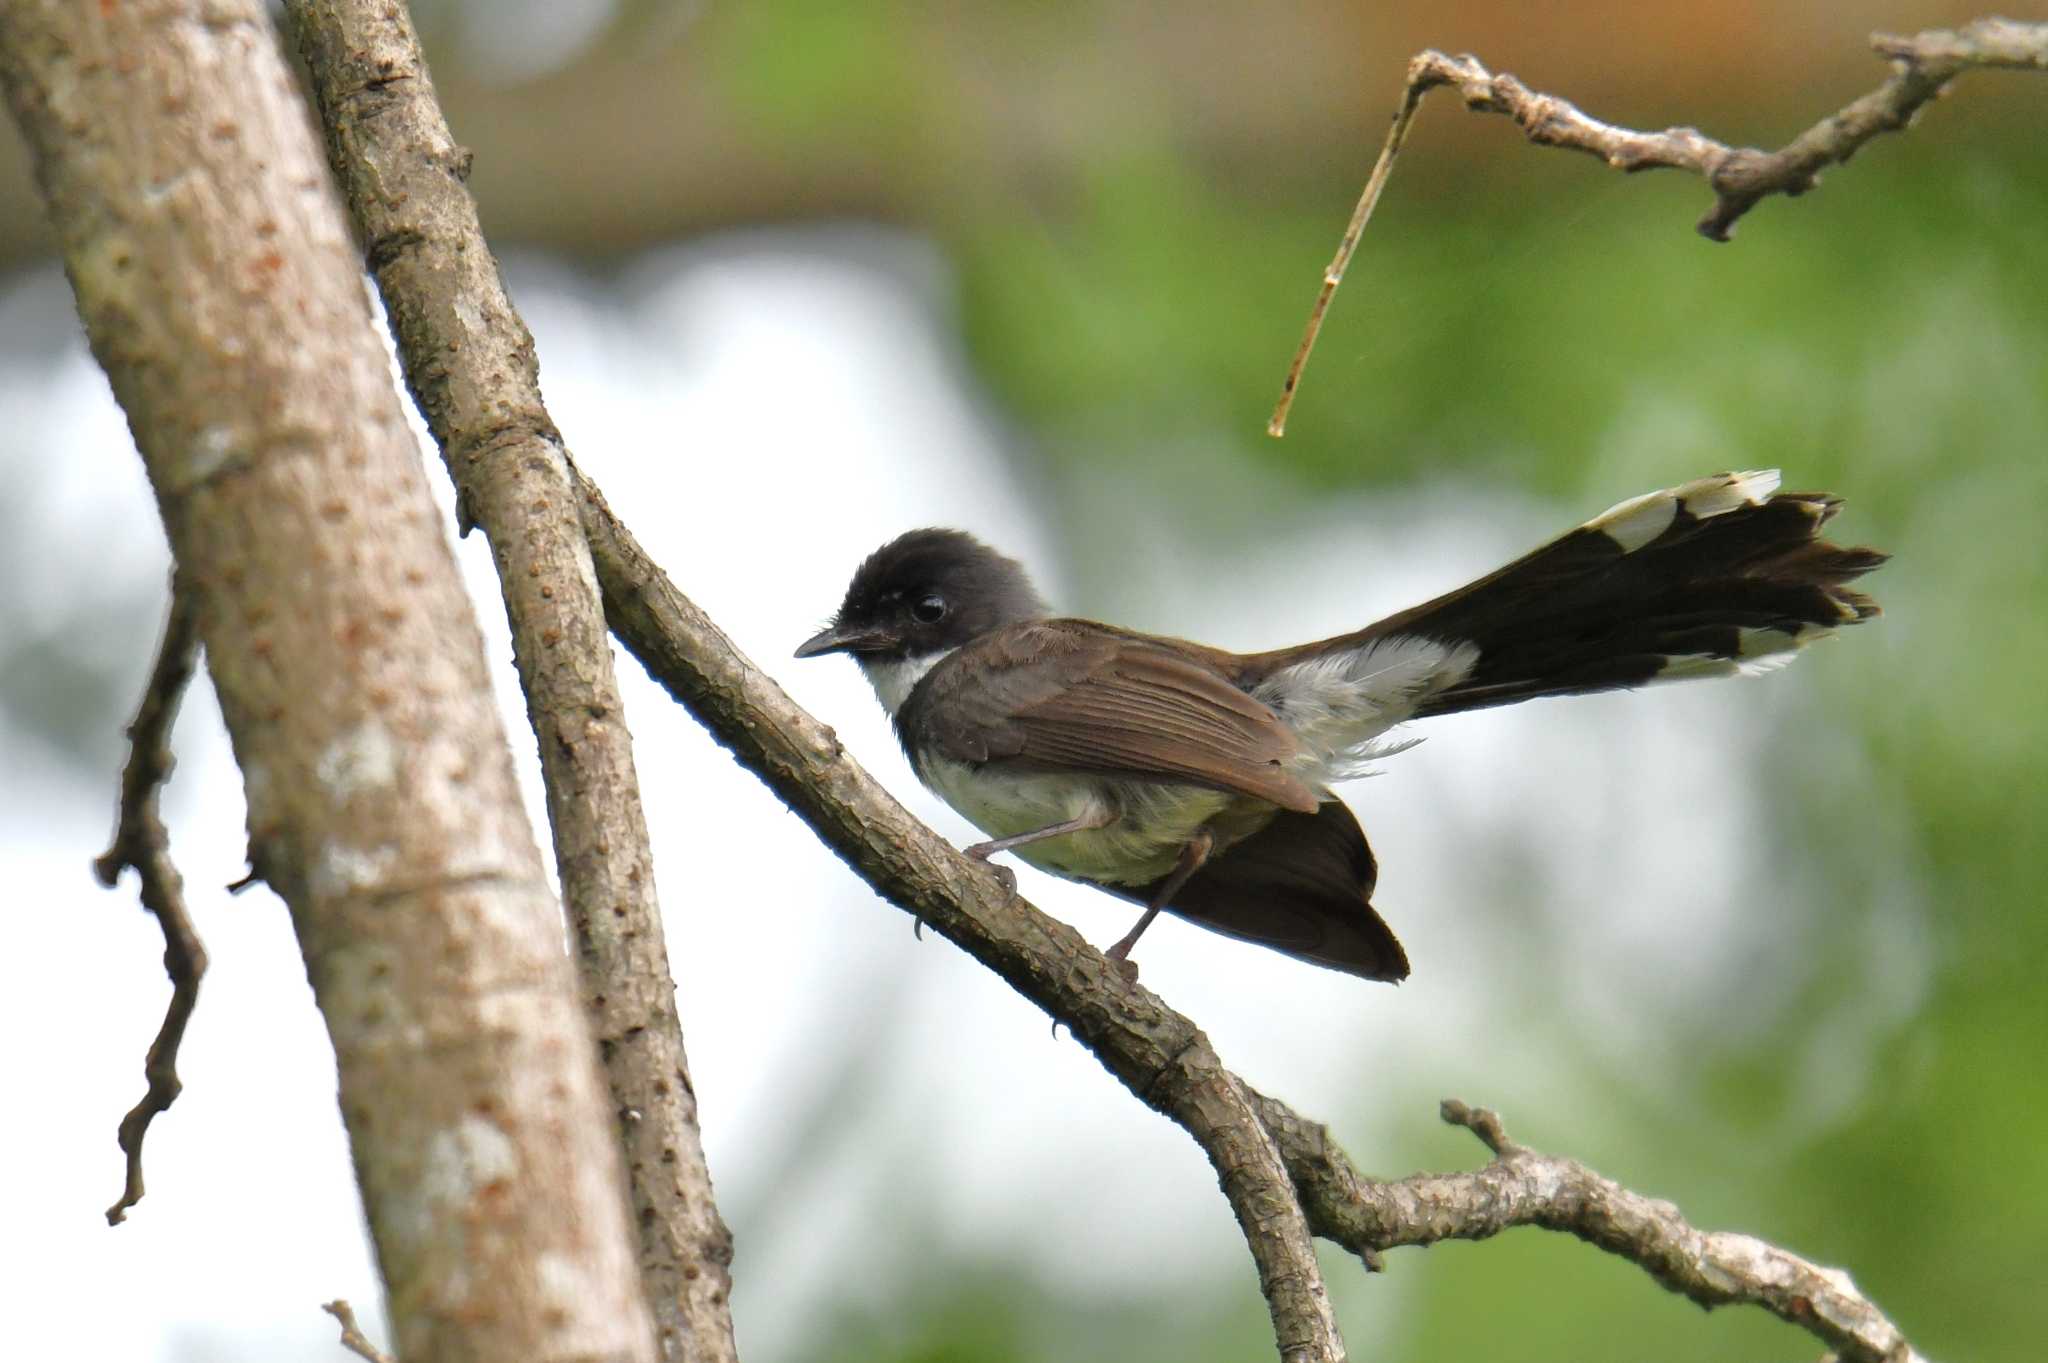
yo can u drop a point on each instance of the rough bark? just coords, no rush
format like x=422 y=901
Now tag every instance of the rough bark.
x=471 y=366
x=220 y=290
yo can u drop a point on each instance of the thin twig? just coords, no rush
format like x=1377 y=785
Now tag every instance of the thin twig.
x=141 y=842
x=1333 y=274
x=1741 y=177
x=352 y=1337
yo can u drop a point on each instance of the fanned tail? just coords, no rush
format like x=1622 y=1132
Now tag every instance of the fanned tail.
x=1716 y=577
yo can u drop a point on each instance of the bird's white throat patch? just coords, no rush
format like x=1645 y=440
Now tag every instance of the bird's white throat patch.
x=895 y=678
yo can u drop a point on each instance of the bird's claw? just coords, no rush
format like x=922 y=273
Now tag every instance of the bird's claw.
x=981 y=852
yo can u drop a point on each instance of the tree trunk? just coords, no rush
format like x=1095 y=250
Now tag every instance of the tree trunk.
x=473 y=372
x=221 y=291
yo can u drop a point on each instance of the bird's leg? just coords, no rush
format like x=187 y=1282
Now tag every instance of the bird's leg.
x=1098 y=817
x=1192 y=857
x=982 y=851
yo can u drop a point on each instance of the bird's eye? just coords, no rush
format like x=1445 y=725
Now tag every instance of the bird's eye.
x=929 y=610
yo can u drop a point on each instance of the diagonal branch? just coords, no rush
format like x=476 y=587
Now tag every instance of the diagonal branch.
x=141 y=842
x=1158 y=1054
x=470 y=364
x=1741 y=177
x=1162 y=1057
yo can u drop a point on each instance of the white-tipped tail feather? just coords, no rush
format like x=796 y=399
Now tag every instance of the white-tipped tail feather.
x=1757 y=651
x=1721 y=576
x=1643 y=520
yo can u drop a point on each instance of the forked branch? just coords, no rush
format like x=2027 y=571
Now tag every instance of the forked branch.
x=1741 y=177
x=1524 y=1187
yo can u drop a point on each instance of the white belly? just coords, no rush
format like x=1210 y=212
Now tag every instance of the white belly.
x=1153 y=821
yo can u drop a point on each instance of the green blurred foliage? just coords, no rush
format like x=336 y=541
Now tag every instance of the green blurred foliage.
x=1886 y=338
x=794 y=67
x=1529 y=316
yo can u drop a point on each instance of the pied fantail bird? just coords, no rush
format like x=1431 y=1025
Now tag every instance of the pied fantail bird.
x=1196 y=780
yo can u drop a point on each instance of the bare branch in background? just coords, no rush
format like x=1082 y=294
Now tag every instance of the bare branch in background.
x=141 y=842
x=1741 y=177
x=470 y=363
x=352 y=1337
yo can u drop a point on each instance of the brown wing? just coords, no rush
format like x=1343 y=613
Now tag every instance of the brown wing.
x=1301 y=885
x=1076 y=696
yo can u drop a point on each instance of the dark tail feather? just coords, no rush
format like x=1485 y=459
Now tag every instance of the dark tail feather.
x=1302 y=885
x=1711 y=578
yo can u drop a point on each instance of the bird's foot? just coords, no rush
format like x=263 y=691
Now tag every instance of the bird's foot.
x=982 y=851
x=1120 y=957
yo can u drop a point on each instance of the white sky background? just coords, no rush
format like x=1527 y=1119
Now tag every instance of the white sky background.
x=763 y=410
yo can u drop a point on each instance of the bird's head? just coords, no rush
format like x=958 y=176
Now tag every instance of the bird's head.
x=923 y=594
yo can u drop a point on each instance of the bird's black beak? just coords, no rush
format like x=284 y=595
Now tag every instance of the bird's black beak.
x=835 y=639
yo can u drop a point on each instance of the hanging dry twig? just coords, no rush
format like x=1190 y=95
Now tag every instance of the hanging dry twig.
x=1741 y=177
x=141 y=842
